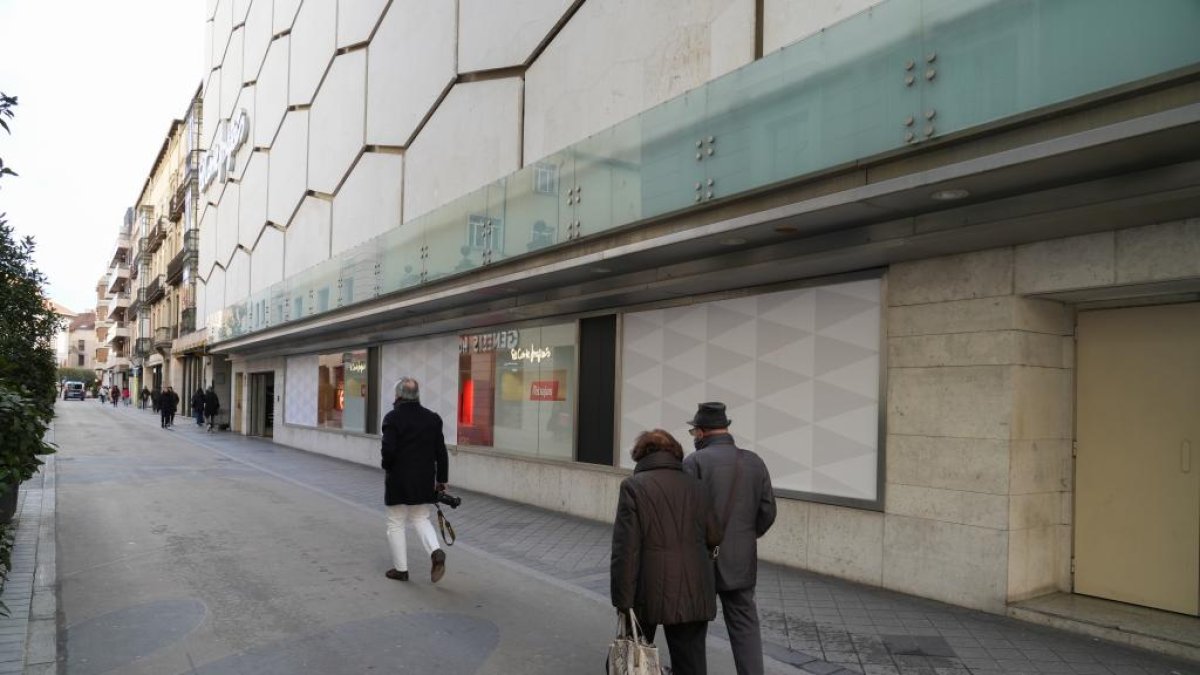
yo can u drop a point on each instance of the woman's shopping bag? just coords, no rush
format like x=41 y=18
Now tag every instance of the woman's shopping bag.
x=630 y=653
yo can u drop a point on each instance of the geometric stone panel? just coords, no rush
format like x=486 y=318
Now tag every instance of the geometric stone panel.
x=211 y=106
x=271 y=93
x=501 y=34
x=227 y=224
x=786 y=21
x=258 y=38
x=287 y=175
x=208 y=49
x=313 y=43
x=335 y=134
x=222 y=27
x=356 y=20
x=285 y=14
x=471 y=140
x=368 y=203
x=214 y=290
x=798 y=371
x=237 y=277
x=307 y=237
x=241 y=8
x=245 y=101
x=253 y=206
x=208 y=240
x=411 y=62
x=614 y=60
x=433 y=362
x=231 y=73
x=266 y=262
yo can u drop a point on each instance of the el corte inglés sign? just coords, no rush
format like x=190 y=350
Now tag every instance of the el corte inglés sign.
x=221 y=157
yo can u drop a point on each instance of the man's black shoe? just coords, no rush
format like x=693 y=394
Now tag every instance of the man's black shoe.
x=439 y=565
x=396 y=575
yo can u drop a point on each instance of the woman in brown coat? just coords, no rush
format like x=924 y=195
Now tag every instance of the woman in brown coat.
x=664 y=533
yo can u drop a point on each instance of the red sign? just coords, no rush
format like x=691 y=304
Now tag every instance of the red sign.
x=543 y=390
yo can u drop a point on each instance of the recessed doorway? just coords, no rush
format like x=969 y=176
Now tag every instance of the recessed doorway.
x=262 y=404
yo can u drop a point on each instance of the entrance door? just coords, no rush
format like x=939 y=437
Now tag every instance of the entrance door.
x=237 y=403
x=262 y=404
x=1137 y=472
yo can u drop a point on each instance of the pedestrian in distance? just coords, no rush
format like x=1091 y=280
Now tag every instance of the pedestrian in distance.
x=663 y=538
x=167 y=404
x=414 y=457
x=143 y=397
x=739 y=487
x=155 y=399
x=114 y=395
x=125 y=395
x=212 y=406
x=103 y=395
x=198 y=406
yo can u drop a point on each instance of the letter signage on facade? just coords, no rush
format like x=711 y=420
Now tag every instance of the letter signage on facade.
x=488 y=342
x=221 y=157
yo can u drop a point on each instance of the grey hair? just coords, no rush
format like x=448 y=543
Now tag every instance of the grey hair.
x=407 y=389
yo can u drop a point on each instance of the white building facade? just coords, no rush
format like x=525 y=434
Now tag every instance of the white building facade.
x=871 y=229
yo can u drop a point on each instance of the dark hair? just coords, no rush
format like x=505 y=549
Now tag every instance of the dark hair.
x=656 y=440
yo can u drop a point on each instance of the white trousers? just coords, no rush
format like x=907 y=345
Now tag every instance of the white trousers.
x=416 y=515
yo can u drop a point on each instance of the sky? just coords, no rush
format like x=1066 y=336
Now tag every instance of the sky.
x=98 y=83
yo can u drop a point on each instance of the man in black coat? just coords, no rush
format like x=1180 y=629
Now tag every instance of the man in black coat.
x=167 y=404
x=414 y=457
x=739 y=486
x=212 y=406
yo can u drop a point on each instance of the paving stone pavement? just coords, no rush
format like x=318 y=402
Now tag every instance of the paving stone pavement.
x=818 y=624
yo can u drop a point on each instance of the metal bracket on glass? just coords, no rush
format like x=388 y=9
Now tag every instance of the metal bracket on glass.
x=573 y=195
x=574 y=230
x=704 y=148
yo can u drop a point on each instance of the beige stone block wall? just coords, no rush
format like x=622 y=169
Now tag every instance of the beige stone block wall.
x=980 y=420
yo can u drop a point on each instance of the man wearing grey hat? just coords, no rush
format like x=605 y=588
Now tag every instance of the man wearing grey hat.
x=740 y=489
x=414 y=457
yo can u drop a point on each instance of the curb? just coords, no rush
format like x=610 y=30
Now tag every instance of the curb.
x=29 y=635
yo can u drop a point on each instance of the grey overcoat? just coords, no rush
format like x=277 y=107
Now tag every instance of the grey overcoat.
x=753 y=506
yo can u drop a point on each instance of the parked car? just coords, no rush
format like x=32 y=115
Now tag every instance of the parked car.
x=73 y=390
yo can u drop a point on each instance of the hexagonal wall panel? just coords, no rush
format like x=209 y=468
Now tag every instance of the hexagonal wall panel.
x=253 y=207
x=270 y=96
x=661 y=49
x=258 y=38
x=368 y=203
x=288 y=168
x=237 y=277
x=471 y=140
x=245 y=101
x=266 y=261
x=208 y=47
x=284 y=15
x=306 y=240
x=501 y=34
x=211 y=102
x=356 y=20
x=214 y=290
x=240 y=8
x=207 y=255
x=227 y=224
x=222 y=27
x=335 y=131
x=410 y=64
x=314 y=39
x=231 y=74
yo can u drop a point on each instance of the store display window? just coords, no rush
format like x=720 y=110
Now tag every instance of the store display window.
x=342 y=389
x=517 y=390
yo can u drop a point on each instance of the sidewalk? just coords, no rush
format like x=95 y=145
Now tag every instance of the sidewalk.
x=28 y=635
x=817 y=624
x=811 y=623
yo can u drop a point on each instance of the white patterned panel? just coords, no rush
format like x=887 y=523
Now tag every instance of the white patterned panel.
x=300 y=391
x=434 y=364
x=798 y=371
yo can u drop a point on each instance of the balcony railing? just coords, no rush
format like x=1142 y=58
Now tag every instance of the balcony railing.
x=143 y=347
x=187 y=320
x=156 y=235
x=118 y=277
x=118 y=305
x=164 y=335
x=175 y=268
x=141 y=251
x=155 y=289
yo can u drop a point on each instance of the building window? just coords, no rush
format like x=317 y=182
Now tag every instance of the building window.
x=342 y=380
x=516 y=390
x=79 y=359
x=545 y=179
x=485 y=233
